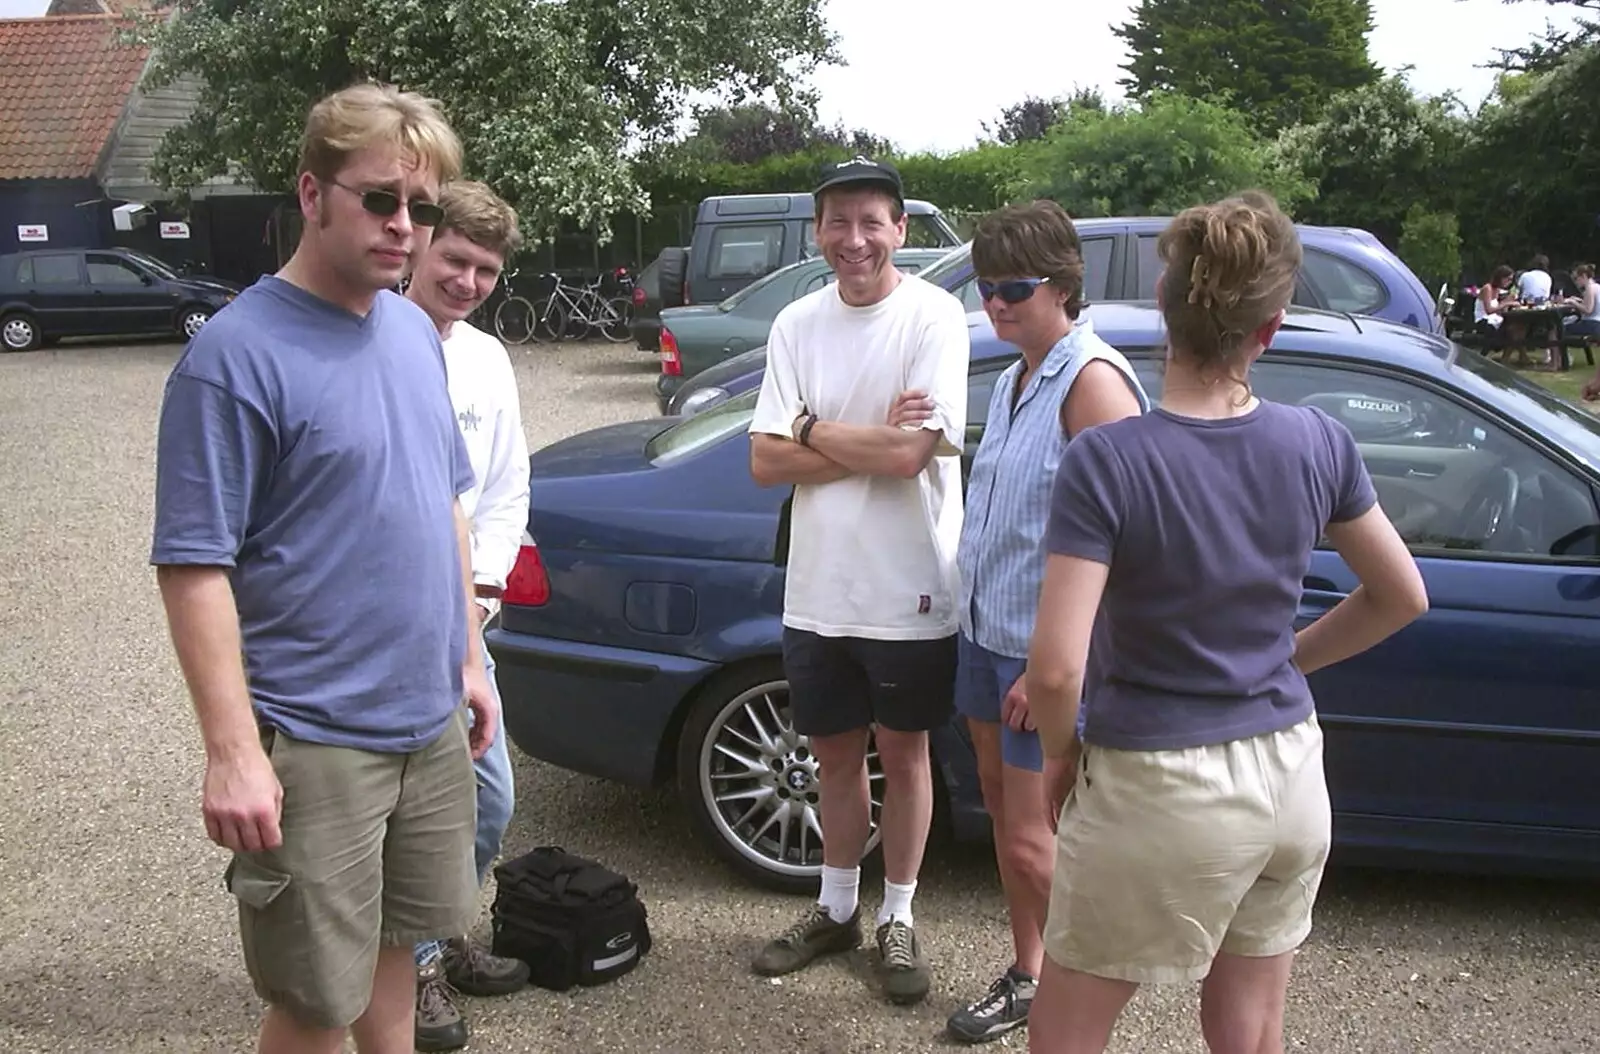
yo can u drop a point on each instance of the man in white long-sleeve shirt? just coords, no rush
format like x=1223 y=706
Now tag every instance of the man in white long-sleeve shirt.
x=453 y=275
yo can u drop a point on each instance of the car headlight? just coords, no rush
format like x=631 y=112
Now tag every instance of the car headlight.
x=699 y=400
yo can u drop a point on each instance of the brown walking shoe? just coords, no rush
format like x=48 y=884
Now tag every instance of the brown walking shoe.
x=814 y=935
x=440 y=1025
x=905 y=971
x=470 y=969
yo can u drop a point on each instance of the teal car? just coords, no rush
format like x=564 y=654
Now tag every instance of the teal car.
x=698 y=337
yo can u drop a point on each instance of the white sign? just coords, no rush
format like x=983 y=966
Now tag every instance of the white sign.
x=32 y=232
x=174 y=230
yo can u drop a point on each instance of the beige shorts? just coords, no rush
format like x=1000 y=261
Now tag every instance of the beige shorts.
x=377 y=850
x=1166 y=857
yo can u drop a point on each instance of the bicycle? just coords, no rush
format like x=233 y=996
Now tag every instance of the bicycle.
x=515 y=321
x=572 y=311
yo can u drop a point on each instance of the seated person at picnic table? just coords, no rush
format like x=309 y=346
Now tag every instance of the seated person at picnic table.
x=1587 y=324
x=1486 y=310
x=1533 y=286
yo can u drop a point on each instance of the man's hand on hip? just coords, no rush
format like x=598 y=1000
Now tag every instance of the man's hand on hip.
x=242 y=802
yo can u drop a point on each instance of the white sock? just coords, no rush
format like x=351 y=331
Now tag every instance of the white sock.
x=840 y=891
x=896 y=902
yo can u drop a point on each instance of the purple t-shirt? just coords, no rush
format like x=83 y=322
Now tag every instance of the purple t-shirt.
x=1208 y=528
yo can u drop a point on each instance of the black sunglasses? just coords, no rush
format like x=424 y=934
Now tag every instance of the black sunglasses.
x=1013 y=292
x=387 y=203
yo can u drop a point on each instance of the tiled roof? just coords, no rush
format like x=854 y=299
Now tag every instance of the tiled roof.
x=64 y=81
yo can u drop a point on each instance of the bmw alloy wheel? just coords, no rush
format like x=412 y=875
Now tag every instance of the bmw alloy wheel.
x=760 y=786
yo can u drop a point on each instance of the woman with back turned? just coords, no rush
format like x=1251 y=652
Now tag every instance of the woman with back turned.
x=1197 y=824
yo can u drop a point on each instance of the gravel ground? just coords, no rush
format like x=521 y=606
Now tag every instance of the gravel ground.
x=116 y=934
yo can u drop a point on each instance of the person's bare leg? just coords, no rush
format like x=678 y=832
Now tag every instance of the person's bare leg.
x=986 y=747
x=843 y=797
x=1030 y=852
x=282 y=1034
x=1241 y=1004
x=1073 y=1012
x=907 y=802
x=389 y=1025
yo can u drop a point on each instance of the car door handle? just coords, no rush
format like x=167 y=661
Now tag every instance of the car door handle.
x=1318 y=584
x=1413 y=472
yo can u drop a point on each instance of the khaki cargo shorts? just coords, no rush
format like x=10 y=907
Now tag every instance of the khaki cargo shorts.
x=1166 y=857
x=377 y=849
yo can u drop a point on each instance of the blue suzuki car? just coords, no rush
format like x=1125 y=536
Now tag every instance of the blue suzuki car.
x=639 y=641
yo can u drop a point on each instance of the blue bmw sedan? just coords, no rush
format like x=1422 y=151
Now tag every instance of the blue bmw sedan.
x=640 y=637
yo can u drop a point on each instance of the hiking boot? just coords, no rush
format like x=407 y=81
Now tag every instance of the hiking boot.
x=471 y=970
x=815 y=935
x=905 y=971
x=1004 y=1007
x=440 y=1025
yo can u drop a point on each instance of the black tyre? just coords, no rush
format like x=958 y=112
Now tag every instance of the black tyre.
x=19 y=332
x=674 y=269
x=751 y=783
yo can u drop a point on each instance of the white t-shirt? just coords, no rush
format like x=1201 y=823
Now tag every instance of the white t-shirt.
x=1534 y=285
x=483 y=389
x=872 y=556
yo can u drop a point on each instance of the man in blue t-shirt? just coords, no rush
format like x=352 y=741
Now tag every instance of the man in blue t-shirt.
x=313 y=561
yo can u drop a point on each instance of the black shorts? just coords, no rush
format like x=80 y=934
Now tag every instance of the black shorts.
x=840 y=684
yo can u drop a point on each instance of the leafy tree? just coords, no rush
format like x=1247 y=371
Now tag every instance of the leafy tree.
x=1534 y=169
x=547 y=97
x=1375 y=152
x=1158 y=157
x=1544 y=52
x=1277 y=61
x=754 y=131
x=1033 y=117
x=1430 y=244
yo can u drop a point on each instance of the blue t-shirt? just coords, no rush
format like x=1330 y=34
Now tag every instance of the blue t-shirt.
x=1208 y=529
x=315 y=453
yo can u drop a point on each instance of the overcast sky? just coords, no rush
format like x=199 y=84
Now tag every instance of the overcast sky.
x=949 y=66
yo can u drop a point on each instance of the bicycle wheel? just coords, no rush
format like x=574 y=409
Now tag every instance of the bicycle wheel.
x=513 y=320
x=617 y=323
x=550 y=319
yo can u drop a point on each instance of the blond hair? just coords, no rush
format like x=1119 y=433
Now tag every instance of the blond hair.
x=1032 y=240
x=1230 y=267
x=368 y=115
x=481 y=216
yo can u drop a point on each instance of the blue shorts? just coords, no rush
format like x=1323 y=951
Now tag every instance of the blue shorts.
x=983 y=678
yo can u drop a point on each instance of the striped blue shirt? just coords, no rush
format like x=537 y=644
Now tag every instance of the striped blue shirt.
x=1001 y=555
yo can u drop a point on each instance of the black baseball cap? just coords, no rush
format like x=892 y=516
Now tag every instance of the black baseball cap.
x=860 y=169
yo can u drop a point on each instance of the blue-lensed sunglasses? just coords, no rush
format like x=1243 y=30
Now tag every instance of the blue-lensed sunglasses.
x=1013 y=292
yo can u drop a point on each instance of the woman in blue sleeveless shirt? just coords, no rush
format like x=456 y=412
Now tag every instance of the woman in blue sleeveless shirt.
x=1029 y=265
x=1193 y=839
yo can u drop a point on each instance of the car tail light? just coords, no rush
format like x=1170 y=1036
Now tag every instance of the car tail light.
x=638 y=296
x=670 y=363
x=527 y=585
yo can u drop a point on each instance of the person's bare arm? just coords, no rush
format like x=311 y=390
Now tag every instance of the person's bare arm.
x=1099 y=395
x=474 y=675
x=876 y=450
x=775 y=460
x=1391 y=594
x=1058 y=654
x=242 y=799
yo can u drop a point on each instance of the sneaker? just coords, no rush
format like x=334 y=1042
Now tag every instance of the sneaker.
x=815 y=935
x=1004 y=1007
x=440 y=1025
x=905 y=971
x=471 y=970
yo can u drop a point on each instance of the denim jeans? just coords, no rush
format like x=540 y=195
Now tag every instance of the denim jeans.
x=496 y=800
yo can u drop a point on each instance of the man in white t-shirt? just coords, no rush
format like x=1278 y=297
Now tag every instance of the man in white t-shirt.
x=453 y=275
x=869 y=613
x=1533 y=286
